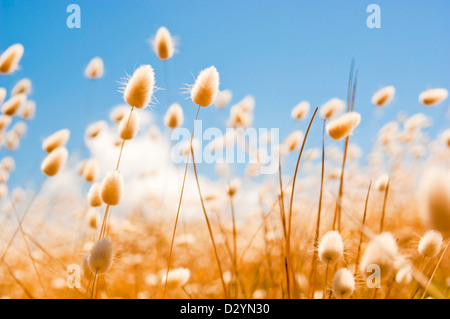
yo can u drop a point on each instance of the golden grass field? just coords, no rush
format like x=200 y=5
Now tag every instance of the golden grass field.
x=308 y=231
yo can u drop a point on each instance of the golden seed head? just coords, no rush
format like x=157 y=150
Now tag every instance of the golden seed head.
x=163 y=44
x=383 y=96
x=331 y=247
x=93 y=196
x=331 y=108
x=23 y=86
x=343 y=283
x=94 y=129
x=343 y=126
x=300 y=111
x=112 y=188
x=128 y=126
x=433 y=97
x=57 y=139
x=174 y=116
x=5 y=120
x=223 y=98
x=10 y=58
x=90 y=170
x=54 y=161
x=139 y=89
x=177 y=277
x=430 y=244
x=29 y=110
x=14 y=103
x=101 y=256
x=119 y=112
x=94 y=69
x=206 y=87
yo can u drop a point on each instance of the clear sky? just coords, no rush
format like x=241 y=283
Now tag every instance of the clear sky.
x=281 y=52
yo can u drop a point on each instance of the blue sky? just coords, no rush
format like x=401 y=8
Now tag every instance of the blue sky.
x=281 y=52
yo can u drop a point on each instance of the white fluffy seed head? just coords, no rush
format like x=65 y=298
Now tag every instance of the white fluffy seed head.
x=10 y=58
x=112 y=188
x=404 y=276
x=94 y=69
x=20 y=128
x=343 y=126
x=128 y=126
x=5 y=120
x=29 y=110
x=54 y=161
x=434 y=199
x=343 y=284
x=163 y=44
x=57 y=139
x=139 y=88
x=445 y=136
x=15 y=102
x=206 y=87
x=94 y=129
x=233 y=186
x=12 y=141
x=101 y=256
x=300 y=111
x=331 y=247
x=23 y=86
x=433 y=97
x=430 y=244
x=223 y=98
x=292 y=141
x=177 y=277
x=119 y=112
x=8 y=164
x=90 y=170
x=381 y=251
x=382 y=182
x=92 y=217
x=331 y=108
x=93 y=196
x=174 y=116
x=383 y=96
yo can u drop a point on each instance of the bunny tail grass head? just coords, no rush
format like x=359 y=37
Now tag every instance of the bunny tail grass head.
x=57 y=139
x=381 y=251
x=94 y=197
x=343 y=126
x=23 y=86
x=430 y=244
x=300 y=111
x=433 y=97
x=29 y=110
x=434 y=199
x=174 y=116
x=331 y=247
x=163 y=44
x=331 y=108
x=90 y=170
x=10 y=58
x=383 y=96
x=139 y=87
x=112 y=188
x=206 y=87
x=343 y=284
x=54 y=161
x=223 y=98
x=177 y=277
x=14 y=103
x=85 y=270
x=101 y=256
x=94 y=69
x=128 y=126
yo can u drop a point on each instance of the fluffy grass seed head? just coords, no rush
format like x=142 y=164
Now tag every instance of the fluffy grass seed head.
x=445 y=136
x=177 y=277
x=85 y=270
x=292 y=142
x=93 y=196
x=430 y=244
x=382 y=182
x=223 y=99
x=90 y=170
x=343 y=283
x=381 y=251
x=29 y=110
x=163 y=44
x=331 y=247
x=54 y=161
x=383 y=96
x=174 y=116
x=5 y=120
x=101 y=256
x=128 y=126
x=13 y=104
x=404 y=275
x=12 y=141
x=331 y=108
x=434 y=199
x=94 y=129
x=112 y=188
x=8 y=164
x=206 y=87
x=233 y=186
x=20 y=128
x=10 y=58
x=139 y=88
x=94 y=69
x=433 y=97
x=57 y=139
x=23 y=86
x=300 y=111
x=343 y=126
x=119 y=112
x=92 y=217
